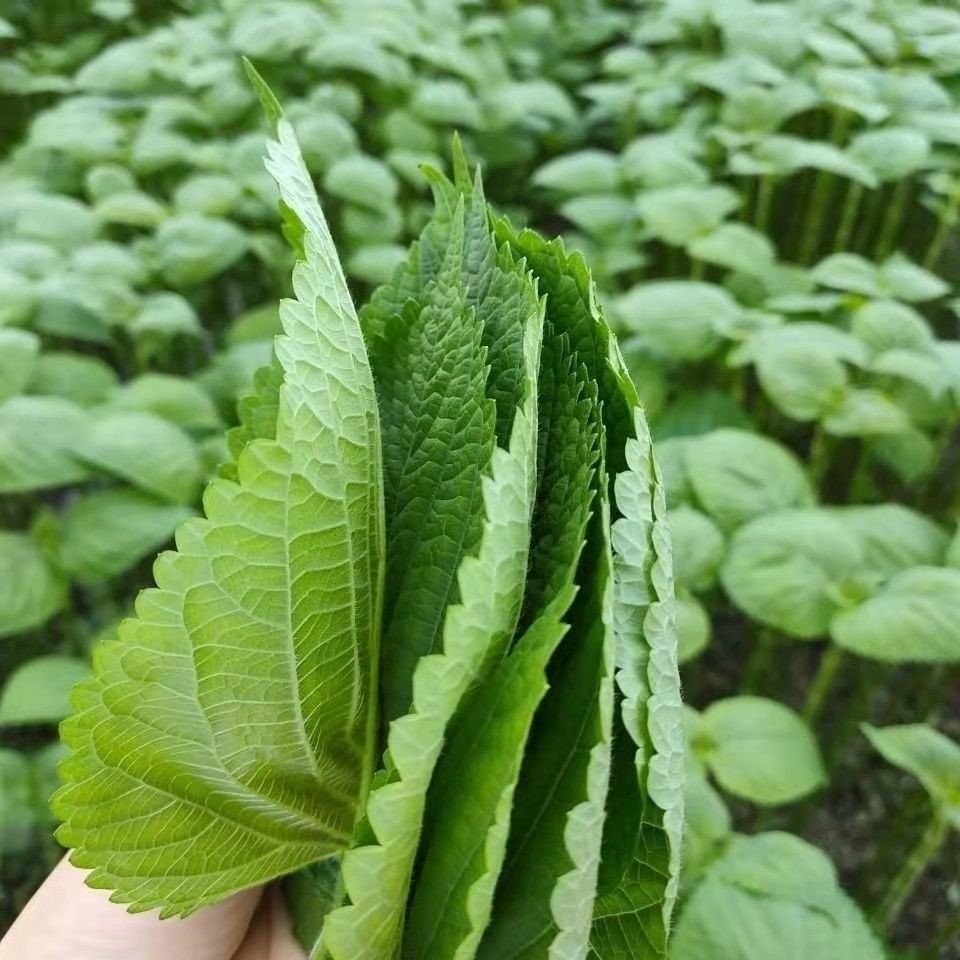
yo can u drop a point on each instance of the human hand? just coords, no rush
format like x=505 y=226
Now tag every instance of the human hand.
x=67 y=920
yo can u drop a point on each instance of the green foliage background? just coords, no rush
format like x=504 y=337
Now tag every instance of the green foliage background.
x=768 y=194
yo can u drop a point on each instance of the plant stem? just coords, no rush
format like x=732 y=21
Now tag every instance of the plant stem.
x=761 y=217
x=851 y=208
x=900 y=888
x=831 y=663
x=893 y=219
x=946 y=222
x=758 y=663
x=813 y=227
x=822 y=190
x=818 y=455
x=949 y=933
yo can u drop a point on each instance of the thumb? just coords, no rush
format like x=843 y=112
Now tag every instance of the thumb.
x=67 y=920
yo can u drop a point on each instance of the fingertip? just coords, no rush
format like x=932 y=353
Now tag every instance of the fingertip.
x=68 y=920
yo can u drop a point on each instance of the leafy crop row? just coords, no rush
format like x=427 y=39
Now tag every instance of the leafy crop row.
x=767 y=195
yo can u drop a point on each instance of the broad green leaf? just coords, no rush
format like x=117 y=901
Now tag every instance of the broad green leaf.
x=17 y=298
x=165 y=314
x=446 y=101
x=783 y=155
x=892 y=153
x=895 y=537
x=693 y=627
x=307 y=510
x=19 y=350
x=438 y=428
x=83 y=380
x=896 y=277
x=907 y=281
x=698 y=548
x=772 y=895
x=914 y=617
x=803 y=382
x=257 y=323
x=708 y=827
x=926 y=754
x=17 y=807
x=585 y=171
x=600 y=214
x=663 y=160
x=759 y=750
x=213 y=195
x=738 y=476
x=132 y=208
x=375 y=263
x=865 y=413
x=793 y=570
x=55 y=219
x=831 y=46
x=736 y=247
x=192 y=249
x=37 y=435
x=177 y=400
x=915 y=368
x=884 y=325
x=677 y=319
x=103 y=534
x=678 y=215
x=39 y=690
x=694 y=413
x=31 y=590
x=145 y=450
x=824 y=339
x=910 y=455
x=363 y=181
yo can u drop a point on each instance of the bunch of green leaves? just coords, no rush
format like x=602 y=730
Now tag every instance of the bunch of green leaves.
x=139 y=267
x=430 y=592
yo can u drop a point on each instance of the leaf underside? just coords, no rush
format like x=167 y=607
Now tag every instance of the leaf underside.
x=222 y=739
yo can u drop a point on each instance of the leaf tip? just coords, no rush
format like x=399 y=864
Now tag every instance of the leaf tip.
x=268 y=99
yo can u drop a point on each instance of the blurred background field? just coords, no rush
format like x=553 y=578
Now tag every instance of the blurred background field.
x=768 y=195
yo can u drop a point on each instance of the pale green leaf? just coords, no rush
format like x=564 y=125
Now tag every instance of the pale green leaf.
x=914 y=618
x=38 y=691
x=894 y=537
x=678 y=215
x=677 y=319
x=865 y=413
x=927 y=754
x=693 y=627
x=792 y=569
x=698 y=548
x=73 y=376
x=772 y=895
x=737 y=476
x=282 y=768
x=31 y=590
x=759 y=750
x=145 y=450
x=584 y=171
x=177 y=400
x=37 y=436
x=103 y=534
x=19 y=350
